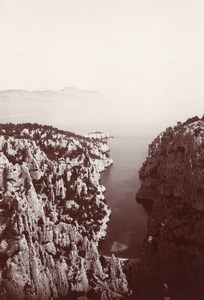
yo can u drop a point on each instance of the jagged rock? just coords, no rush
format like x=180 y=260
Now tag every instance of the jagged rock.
x=98 y=135
x=172 y=181
x=52 y=216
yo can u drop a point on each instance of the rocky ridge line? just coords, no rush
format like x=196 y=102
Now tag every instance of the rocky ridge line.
x=173 y=186
x=52 y=216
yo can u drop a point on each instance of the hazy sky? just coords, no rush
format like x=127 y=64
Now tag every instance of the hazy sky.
x=145 y=56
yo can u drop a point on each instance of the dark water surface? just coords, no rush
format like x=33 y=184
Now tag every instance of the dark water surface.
x=128 y=225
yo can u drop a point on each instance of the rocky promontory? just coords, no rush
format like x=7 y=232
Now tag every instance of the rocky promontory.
x=52 y=215
x=172 y=186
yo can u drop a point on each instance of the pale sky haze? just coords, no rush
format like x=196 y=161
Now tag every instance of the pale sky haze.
x=146 y=57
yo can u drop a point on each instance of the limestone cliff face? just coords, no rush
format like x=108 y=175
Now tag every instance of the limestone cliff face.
x=52 y=216
x=173 y=182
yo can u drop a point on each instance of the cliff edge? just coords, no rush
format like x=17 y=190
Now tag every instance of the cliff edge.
x=172 y=186
x=52 y=215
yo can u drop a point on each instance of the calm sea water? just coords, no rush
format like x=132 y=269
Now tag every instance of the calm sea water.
x=128 y=225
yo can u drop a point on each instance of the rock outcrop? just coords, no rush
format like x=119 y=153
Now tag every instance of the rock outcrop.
x=173 y=185
x=98 y=135
x=52 y=216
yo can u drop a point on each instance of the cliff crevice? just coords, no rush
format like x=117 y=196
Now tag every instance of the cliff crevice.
x=172 y=180
x=52 y=215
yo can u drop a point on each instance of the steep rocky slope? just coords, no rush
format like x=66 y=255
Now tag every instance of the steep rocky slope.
x=173 y=186
x=52 y=216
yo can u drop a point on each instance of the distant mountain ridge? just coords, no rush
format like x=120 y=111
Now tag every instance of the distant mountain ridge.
x=65 y=90
x=64 y=108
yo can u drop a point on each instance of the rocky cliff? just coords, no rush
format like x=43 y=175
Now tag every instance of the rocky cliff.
x=172 y=184
x=52 y=216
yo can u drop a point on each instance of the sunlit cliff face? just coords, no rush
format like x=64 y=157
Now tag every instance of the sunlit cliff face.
x=53 y=214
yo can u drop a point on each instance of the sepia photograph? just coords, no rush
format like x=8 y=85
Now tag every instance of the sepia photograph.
x=101 y=150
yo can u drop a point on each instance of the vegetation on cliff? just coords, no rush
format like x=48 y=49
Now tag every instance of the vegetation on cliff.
x=52 y=215
x=173 y=183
